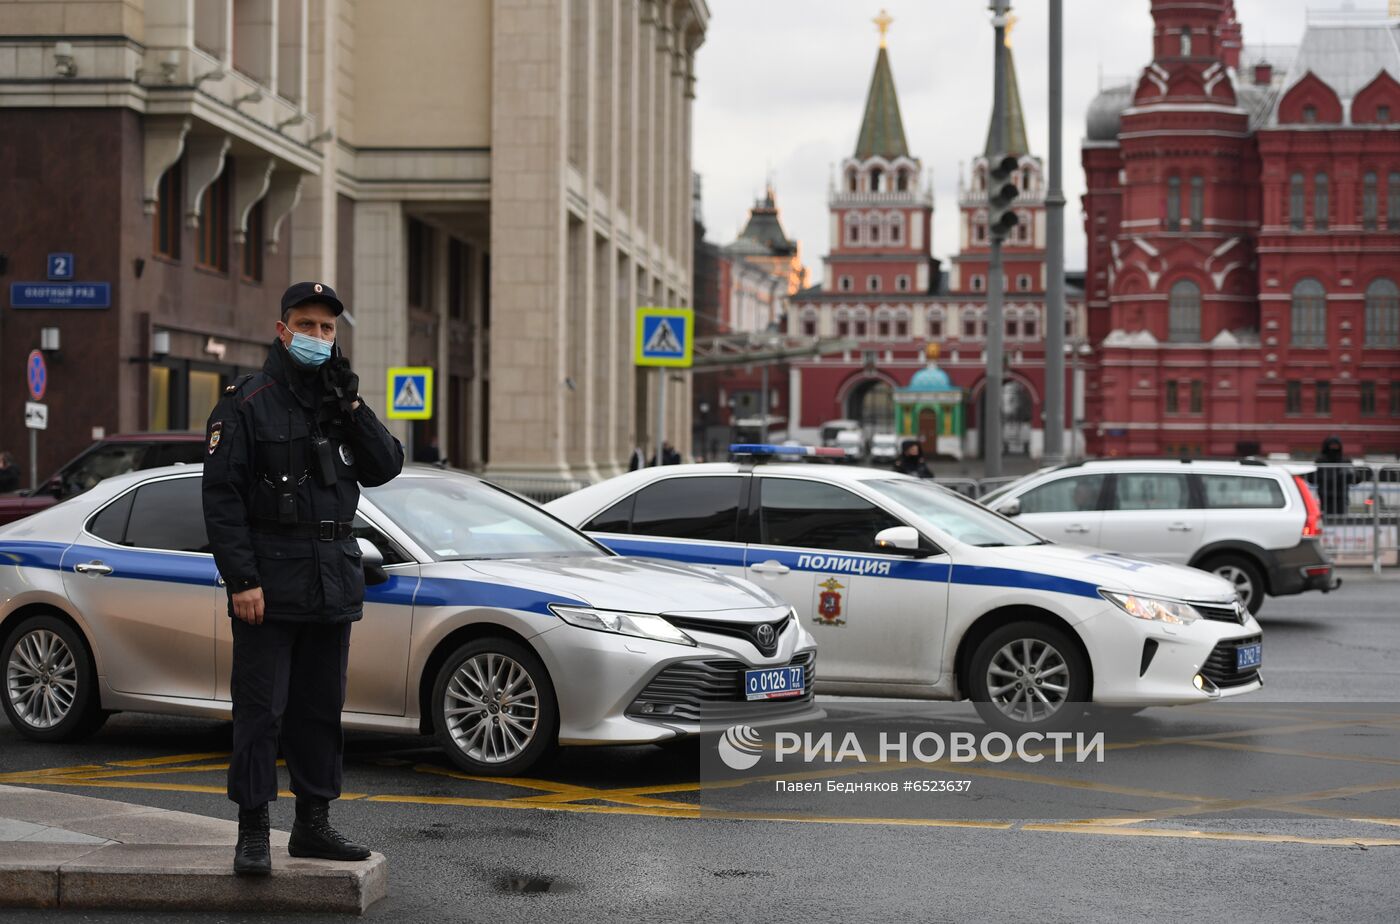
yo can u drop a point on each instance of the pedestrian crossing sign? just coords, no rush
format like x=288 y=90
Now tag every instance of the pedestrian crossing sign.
x=410 y=392
x=665 y=337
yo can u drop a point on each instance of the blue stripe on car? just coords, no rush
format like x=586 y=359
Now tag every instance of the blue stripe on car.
x=936 y=572
x=177 y=568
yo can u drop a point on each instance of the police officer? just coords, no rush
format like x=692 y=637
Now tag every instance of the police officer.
x=288 y=449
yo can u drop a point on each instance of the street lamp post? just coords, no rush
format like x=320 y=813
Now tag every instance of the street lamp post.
x=991 y=389
x=1055 y=251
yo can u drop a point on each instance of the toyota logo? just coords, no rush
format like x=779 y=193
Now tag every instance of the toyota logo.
x=766 y=636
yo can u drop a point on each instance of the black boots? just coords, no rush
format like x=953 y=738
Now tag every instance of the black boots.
x=313 y=836
x=253 y=855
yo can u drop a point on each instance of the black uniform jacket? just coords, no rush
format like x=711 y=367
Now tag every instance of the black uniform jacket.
x=259 y=444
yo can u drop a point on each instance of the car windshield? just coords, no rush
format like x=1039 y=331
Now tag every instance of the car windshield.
x=454 y=519
x=966 y=521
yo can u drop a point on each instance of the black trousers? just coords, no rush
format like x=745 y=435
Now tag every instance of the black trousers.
x=288 y=681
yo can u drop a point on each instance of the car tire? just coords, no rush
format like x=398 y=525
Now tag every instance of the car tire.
x=523 y=727
x=1244 y=574
x=1053 y=653
x=50 y=681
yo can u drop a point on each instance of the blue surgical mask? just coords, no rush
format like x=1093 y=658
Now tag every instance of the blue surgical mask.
x=309 y=351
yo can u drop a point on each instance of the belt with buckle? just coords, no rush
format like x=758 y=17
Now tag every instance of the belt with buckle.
x=324 y=530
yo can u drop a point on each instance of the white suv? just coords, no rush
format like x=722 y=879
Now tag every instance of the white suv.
x=1257 y=525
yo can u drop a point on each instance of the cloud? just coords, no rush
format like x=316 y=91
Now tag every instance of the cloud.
x=782 y=84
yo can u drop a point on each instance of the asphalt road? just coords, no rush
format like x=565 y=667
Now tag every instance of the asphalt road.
x=1283 y=806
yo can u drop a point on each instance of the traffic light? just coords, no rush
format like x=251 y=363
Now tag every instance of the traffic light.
x=1001 y=195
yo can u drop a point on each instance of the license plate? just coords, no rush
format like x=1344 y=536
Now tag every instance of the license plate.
x=774 y=682
x=1248 y=656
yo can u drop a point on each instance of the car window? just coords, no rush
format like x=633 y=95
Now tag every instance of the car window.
x=102 y=462
x=1151 y=491
x=457 y=519
x=392 y=554
x=1064 y=495
x=1231 y=492
x=169 y=453
x=963 y=519
x=110 y=521
x=616 y=519
x=168 y=515
x=812 y=515
x=689 y=508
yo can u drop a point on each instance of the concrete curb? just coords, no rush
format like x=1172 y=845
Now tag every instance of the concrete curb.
x=78 y=852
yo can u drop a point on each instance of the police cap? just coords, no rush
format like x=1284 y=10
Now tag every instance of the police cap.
x=305 y=293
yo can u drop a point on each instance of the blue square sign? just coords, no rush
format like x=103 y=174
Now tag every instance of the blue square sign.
x=60 y=266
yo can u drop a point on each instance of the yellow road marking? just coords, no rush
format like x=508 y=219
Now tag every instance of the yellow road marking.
x=1236 y=836
x=567 y=792
x=1290 y=752
x=173 y=759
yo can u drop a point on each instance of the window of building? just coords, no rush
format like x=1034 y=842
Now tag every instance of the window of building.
x=979 y=229
x=1383 y=114
x=809 y=324
x=809 y=514
x=901 y=327
x=1310 y=114
x=882 y=328
x=897 y=228
x=852 y=183
x=969 y=328
x=1395 y=397
x=165 y=239
x=1392 y=204
x=1321 y=202
x=1186 y=41
x=845 y=283
x=901 y=182
x=872 y=283
x=1368 y=399
x=1023 y=283
x=420 y=257
x=1198 y=203
x=1029 y=329
x=1010 y=328
x=1198 y=396
x=979 y=283
x=901 y=283
x=1309 y=314
x=1022 y=231
x=861 y=328
x=254 y=242
x=1173 y=401
x=935 y=328
x=843 y=327
x=1322 y=397
x=872 y=229
x=1293 y=398
x=852 y=230
x=1382 y=314
x=876 y=179
x=1184 y=312
x=458 y=278
x=211 y=237
x=1370 y=201
x=1174 y=203
x=1297 y=196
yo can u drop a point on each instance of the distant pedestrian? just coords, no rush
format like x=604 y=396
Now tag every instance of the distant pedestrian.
x=638 y=460
x=9 y=472
x=911 y=461
x=1334 y=477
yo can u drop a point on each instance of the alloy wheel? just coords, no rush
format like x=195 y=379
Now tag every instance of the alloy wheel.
x=491 y=707
x=41 y=679
x=1244 y=584
x=1028 y=680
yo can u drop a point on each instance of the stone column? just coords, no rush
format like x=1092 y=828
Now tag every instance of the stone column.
x=381 y=294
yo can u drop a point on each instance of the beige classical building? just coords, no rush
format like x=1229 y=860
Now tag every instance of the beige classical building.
x=492 y=187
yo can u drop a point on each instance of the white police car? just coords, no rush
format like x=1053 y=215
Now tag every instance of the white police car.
x=914 y=591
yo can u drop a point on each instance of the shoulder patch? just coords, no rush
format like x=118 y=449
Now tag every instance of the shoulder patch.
x=216 y=431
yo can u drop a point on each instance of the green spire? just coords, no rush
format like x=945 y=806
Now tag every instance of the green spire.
x=1014 y=125
x=882 y=131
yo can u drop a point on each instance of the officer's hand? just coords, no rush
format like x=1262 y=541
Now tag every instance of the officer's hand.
x=248 y=606
x=341 y=376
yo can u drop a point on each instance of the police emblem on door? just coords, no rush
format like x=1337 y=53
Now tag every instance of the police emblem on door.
x=830 y=603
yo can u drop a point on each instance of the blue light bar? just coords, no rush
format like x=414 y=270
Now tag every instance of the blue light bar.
x=770 y=449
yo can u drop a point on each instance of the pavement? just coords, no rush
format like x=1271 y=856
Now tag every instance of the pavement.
x=1277 y=806
x=60 y=850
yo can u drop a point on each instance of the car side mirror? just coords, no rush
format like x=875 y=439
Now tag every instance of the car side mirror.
x=373 y=562
x=54 y=486
x=897 y=539
x=1010 y=508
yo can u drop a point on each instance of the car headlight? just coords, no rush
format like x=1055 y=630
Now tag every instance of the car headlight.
x=1157 y=609
x=642 y=625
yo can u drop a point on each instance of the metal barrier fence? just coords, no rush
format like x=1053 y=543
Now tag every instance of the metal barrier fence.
x=1360 y=510
x=539 y=488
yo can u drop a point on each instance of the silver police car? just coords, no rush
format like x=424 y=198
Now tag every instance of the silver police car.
x=487 y=622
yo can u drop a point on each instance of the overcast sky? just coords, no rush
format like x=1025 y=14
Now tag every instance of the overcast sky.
x=782 y=84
